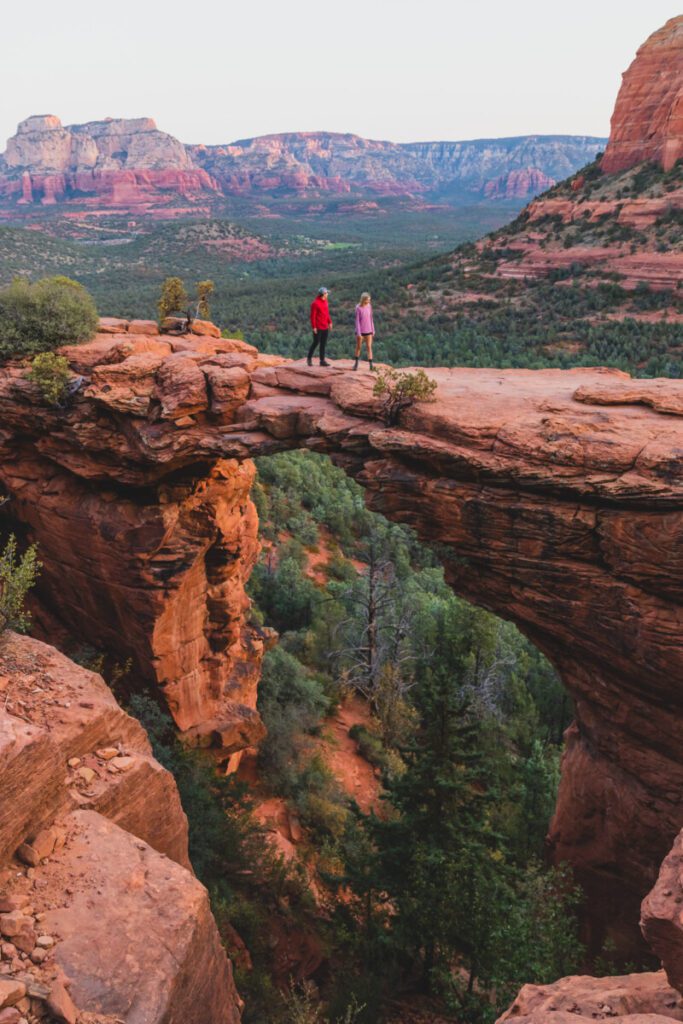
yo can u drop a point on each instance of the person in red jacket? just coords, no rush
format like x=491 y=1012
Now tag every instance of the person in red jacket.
x=321 y=322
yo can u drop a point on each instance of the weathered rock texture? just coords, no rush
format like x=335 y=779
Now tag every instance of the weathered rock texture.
x=103 y=865
x=662 y=915
x=518 y=184
x=175 y=603
x=122 y=162
x=631 y=999
x=647 y=123
x=560 y=494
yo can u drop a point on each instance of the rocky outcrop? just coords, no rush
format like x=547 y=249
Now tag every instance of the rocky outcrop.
x=616 y=221
x=100 y=913
x=191 y=540
x=119 y=162
x=647 y=123
x=631 y=999
x=661 y=915
x=560 y=494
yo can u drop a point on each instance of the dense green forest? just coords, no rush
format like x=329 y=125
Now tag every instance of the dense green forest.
x=442 y=892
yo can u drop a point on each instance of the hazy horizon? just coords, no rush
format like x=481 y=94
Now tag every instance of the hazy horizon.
x=434 y=75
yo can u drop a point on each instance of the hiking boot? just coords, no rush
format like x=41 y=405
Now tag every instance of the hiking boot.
x=372 y=368
x=355 y=365
x=309 y=361
x=324 y=362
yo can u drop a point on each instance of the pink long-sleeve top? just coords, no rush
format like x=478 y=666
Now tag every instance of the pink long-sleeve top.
x=364 y=321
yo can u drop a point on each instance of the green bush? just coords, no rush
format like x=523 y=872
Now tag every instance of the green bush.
x=324 y=815
x=50 y=373
x=292 y=703
x=370 y=746
x=42 y=316
x=398 y=390
x=17 y=576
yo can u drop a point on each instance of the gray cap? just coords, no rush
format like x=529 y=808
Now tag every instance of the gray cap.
x=323 y=291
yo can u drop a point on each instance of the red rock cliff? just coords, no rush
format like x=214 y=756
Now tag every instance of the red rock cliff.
x=99 y=910
x=560 y=493
x=647 y=123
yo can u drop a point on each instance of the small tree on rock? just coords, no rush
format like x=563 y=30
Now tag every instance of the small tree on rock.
x=17 y=576
x=400 y=389
x=173 y=298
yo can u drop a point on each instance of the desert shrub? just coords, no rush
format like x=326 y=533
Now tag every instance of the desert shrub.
x=42 y=316
x=400 y=389
x=370 y=745
x=204 y=290
x=284 y=593
x=323 y=815
x=17 y=575
x=50 y=373
x=292 y=702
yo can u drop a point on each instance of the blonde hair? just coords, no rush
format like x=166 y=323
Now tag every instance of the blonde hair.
x=364 y=296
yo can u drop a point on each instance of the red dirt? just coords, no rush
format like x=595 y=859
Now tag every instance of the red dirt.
x=354 y=774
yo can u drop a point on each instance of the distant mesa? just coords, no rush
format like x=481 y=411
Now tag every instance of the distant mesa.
x=647 y=123
x=327 y=162
x=118 y=163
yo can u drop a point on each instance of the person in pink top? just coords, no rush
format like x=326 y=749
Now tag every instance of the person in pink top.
x=365 y=328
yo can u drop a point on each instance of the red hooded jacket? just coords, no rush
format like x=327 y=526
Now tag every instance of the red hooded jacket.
x=320 y=314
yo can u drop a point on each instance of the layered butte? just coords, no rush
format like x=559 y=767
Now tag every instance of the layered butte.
x=120 y=162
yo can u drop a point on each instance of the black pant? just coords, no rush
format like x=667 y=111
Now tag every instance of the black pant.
x=319 y=338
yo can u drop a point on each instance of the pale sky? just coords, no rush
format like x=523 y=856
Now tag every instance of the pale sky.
x=419 y=70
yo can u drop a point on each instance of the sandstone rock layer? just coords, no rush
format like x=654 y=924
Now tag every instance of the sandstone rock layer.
x=123 y=163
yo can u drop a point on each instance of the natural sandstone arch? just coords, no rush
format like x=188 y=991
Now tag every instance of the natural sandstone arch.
x=559 y=492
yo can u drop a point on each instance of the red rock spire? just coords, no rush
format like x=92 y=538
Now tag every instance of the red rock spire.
x=647 y=123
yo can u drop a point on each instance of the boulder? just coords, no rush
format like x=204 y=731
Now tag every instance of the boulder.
x=205 y=328
x=137 y=938
x=661 y=915
x=149 y=327
x=634 y=998
x=112 y=325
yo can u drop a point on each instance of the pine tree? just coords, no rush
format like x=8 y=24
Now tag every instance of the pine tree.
x=439 y=854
